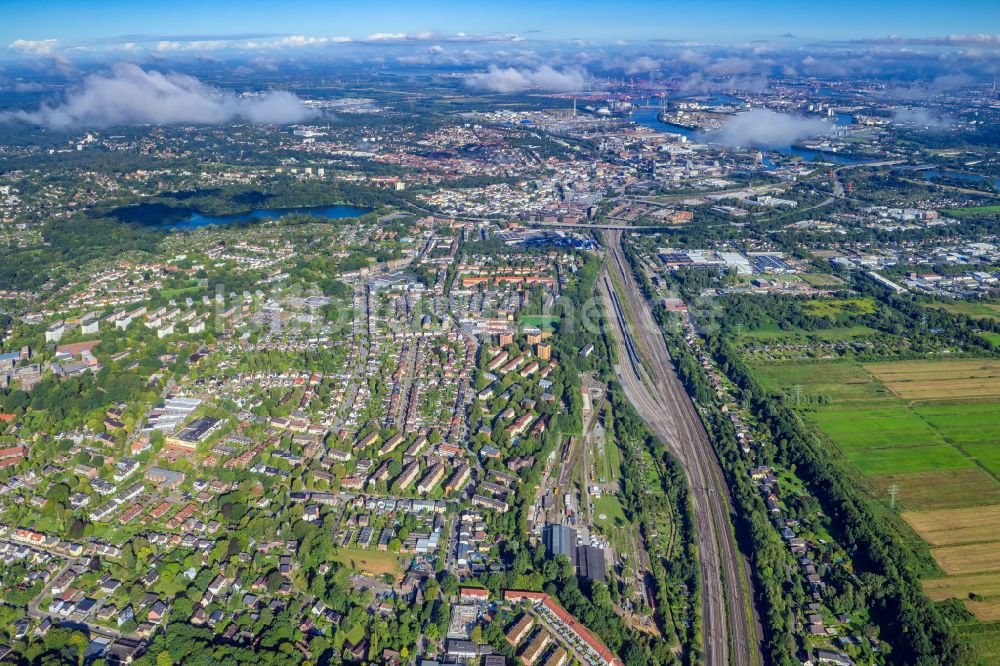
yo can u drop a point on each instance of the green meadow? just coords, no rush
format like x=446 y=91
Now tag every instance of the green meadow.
x=936 y=452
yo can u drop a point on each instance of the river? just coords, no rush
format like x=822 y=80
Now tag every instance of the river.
x=931 y=174
x=647 y=118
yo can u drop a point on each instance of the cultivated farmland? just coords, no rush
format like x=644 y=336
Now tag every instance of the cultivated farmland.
x=930 y=431
x=940 y=380
x=968 y=558
x=949 y=527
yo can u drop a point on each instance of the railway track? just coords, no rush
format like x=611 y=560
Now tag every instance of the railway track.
x=730 y=626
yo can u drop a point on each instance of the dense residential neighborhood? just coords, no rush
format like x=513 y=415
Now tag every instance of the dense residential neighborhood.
x=439 y=348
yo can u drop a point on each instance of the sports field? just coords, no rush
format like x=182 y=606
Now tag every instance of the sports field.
x=930 y=432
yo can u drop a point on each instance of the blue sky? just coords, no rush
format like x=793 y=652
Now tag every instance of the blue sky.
x=81 y=22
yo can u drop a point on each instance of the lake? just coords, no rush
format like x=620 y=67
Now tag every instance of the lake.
x=197 y=220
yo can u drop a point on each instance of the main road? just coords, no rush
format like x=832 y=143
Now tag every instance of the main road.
x=731 y=628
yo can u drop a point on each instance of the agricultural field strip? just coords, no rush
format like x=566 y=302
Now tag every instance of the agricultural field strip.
x=920 y=380
x=959 y=587
x=946 y=527
x=985 y=611
x=943 y=488
x=968 y=558
x=984 y=640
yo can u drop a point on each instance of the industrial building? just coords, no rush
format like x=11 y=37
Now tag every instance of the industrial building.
x=587 y=560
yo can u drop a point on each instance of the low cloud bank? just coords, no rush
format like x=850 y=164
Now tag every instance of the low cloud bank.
x=921 y=117
x=513 y=79
x=130 y=95
x=766 y=129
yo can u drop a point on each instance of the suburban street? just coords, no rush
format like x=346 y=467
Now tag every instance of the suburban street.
x=646 y=373
x=34 y=609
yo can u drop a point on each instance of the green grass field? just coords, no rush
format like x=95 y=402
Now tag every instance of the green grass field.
x=356 y=633
x=772 y=331
x=372 y=561
x=976 y=211
x=937 y=453
x=834 y=380
x=976 y=309
x=864 y=428
x=986 y=454
x=963 y=422
x=180 y=291
x=611 y=509
x=822 y=279
x=544 y=322
x=612 y=462
x=983 y=641
x=834 y=307
x=874 y=462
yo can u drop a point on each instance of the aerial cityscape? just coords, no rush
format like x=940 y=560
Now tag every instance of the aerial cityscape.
x=551 y=334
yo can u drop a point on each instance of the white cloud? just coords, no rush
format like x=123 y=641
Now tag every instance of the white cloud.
x=981 y=39
x=731 y=65
x=512 y=79
x=922 y=118
x=289 y=42
x=292 y=42
x=433 y=36
x=643 y=65
x=35 y=46
x=386 y=36
x=295 y=41
x=766 y=128
x=167 y=46
x=132 y=95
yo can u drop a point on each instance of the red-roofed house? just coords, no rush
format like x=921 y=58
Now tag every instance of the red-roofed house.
x=607 y=656
x=473 y=594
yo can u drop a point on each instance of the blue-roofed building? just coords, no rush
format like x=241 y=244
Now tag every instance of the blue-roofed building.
x=560 y=540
